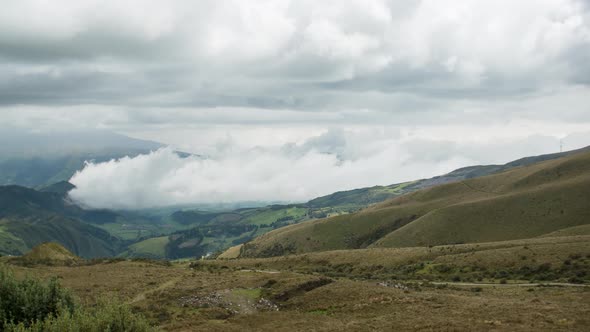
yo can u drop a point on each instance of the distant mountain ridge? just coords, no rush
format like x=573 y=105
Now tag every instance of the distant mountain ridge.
x=61 y=187
x=29 y=217
x=529 y=199
x=376 y=194
x=39 y=159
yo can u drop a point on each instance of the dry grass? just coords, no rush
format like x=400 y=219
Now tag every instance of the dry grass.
x=342 y=304
x=233 y=252
x=412 y=263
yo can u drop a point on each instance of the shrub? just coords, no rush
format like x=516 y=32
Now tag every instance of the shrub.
x=24 y=301
x=31 y=305
x=443 y=268
x=545 y=267
x=105 y=316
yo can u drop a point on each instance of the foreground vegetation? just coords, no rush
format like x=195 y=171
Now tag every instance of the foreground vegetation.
x=548 y=259
x=521 y=285
x=32 y=305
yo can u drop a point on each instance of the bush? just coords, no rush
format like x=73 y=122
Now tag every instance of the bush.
x=31 y=305
x=105 y=316
x=443 y=268
x=29 y=299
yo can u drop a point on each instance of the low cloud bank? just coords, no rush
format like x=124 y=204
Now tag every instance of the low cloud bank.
x=334 y=161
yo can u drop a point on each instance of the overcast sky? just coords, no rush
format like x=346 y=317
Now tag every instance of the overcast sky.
x=394 y=90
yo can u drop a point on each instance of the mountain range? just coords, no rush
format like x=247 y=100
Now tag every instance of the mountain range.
x=527 y=198
x=38 y=159
x=491 y=202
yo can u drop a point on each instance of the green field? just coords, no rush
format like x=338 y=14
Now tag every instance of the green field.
x=269 y=216
x=153 y=247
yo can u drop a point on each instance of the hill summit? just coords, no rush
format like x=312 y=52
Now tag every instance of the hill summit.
x=50 y=253
x=61 y=187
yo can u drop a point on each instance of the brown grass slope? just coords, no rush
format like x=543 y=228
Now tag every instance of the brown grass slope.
x=206 y=297
x=521 y=203
x=48 y=253
x=570 y=231
x=562 y=258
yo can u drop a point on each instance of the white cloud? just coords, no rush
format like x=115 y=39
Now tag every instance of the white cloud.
x=162 y=178
x=293 y=172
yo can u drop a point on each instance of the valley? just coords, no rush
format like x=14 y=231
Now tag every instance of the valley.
x=172 y=233
x=481 y=248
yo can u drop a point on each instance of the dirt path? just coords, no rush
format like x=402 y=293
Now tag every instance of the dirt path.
x=141 y=296
x=473 y=284
x=260 y=271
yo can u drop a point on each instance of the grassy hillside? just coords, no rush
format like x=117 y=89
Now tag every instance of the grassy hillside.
x=354 y=230
x=80 y=238
x=206 y=231
x=570 y=231
x=194 y=233
x=151 y=248
x=359 y=197
x=527 y=201
x=362 y=197
x=29 y=217
x=48 y=253
x=564 y=258
x=522 y=285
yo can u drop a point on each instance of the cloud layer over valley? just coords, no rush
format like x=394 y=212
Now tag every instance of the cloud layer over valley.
x=333 y=161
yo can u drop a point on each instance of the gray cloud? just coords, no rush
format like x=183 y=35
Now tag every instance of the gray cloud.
x=392 y=89
x=283 y=54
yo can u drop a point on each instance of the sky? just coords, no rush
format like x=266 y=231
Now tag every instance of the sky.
x=288 y=100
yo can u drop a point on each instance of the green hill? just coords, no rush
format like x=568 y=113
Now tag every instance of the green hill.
x=362 y=197
x=83 y=239
x=21 y=201
x=61 y=187
x=29 y=217
x=221 y=225
x=524 y=202
x=154 y=247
